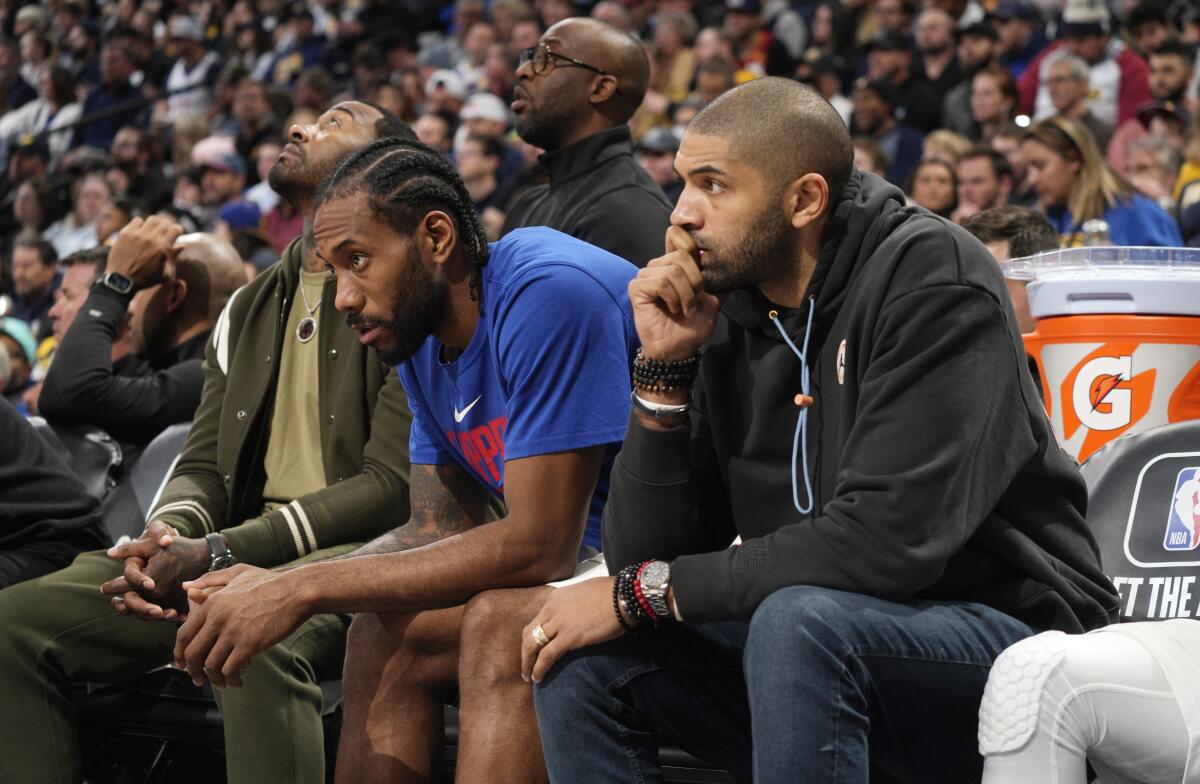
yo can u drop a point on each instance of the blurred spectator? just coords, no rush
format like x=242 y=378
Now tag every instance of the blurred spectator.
x=478 y=163
x=436 y=130
x=1013 y=232
x=471 y=64
x=1067 y=81
x=313 y=89
x=525 y=34
x=305 y=49
x=252 y=50
x=53 y=111
x=77 y=230
x=1075 y=185
x=48 y=518
x=172 y=308
x=978 y=47
x=194 y=73
x=79 y=55
x=19 y=347
x=15 y=92
x=656 y=154
x=446 y=91
x=870 y=156
x=985 y=181
x=80 y=271
x=222 y=180
x=1021 y=38
x=936 y=65
x=615 y=14
x=35 y=207
x=820 y=73
x=945 y=146
x=262 y=194
x=30 y=19
x=915 y=104
x=114 y=103
x=253 y=122
x=114 y=217
x=132 y=152
x=1172 y=68
x=505 y=15
x=36 y=278
x=714 y=77
x=674 y=60
x=874 y=103
x=1152 y=166
x=1119 y=78
x=1150 y=27
x=1009 y=142
x=934 y=187
x=894 y=17
x=755 y=47
x=575 y=94
x=35 y=49
x=486 y=115
x=240 y=223
x=993 y=101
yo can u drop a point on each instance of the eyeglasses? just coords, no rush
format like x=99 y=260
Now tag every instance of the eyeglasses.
x=544 y=60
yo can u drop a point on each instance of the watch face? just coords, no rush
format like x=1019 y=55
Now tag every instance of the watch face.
x=118 y=282
x=223 y=562
x=655 y=575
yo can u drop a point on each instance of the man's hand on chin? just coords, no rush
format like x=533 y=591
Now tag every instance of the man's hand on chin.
x=235 y=614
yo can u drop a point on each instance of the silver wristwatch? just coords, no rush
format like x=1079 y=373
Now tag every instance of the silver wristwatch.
x=222 y=556
x=655 y=579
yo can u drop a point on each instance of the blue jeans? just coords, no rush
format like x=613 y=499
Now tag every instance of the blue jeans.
x=837 y=686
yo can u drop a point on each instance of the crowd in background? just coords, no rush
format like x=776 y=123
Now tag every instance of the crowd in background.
x=115 y=110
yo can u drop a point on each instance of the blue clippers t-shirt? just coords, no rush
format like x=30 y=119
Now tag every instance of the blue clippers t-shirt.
x=547 y=370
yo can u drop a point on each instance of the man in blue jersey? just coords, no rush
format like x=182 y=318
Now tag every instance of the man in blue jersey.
x=516 y=358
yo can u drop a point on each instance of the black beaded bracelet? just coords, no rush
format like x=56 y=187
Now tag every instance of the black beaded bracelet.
x=626 y=595
x=660 y=375
x=617 y=606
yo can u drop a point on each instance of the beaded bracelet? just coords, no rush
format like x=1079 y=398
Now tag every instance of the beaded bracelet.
x=659 y=375
x=625 y=596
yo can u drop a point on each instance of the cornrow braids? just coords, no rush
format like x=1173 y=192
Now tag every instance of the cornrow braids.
x=403 y=180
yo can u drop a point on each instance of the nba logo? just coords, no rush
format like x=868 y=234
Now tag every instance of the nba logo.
x=1183 y=521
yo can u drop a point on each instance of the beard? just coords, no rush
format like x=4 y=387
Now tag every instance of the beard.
x=297 y=181
x=545 y=125
x=761 y=253
x=410 y=323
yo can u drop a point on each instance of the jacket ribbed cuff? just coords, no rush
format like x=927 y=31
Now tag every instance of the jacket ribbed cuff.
x=657 y=457
x=257 y=542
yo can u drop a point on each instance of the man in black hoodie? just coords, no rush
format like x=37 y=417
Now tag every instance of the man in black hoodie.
x=46 y=516
x=922 y=520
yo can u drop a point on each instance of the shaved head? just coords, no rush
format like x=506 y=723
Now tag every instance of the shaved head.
x=783 y=129
x=213 y=271
x=605 y=46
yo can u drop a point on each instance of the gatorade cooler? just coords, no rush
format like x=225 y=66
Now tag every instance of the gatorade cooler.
x=1117 y=339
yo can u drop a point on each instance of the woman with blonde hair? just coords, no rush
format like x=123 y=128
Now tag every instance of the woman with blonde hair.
x=1074 y=184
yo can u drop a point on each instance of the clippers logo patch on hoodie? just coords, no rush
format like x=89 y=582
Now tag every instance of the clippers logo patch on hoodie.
x=841 y=362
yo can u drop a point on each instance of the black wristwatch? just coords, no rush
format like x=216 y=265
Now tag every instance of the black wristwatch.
x=119 y=283
x=222 y=556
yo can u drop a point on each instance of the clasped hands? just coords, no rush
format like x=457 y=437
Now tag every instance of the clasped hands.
x=226 y=617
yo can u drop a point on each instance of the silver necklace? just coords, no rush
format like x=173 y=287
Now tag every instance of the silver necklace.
x=308 y=325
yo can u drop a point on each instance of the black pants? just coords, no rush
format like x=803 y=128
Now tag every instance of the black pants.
x=36 y=559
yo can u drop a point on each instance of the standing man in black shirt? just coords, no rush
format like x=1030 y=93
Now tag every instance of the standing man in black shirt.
x=575 y=92
x=177 y=287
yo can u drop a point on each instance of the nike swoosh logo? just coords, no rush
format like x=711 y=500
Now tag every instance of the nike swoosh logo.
x=458 y=415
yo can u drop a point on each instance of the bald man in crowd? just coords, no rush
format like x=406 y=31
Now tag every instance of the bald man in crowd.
x=575 y=92
x=173 y=288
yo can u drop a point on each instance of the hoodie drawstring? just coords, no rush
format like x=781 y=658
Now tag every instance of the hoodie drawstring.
x=800 y=440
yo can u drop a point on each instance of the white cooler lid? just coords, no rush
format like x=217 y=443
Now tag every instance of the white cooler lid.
x=1106 y=262
x=1146 y=296
x=1110 y=280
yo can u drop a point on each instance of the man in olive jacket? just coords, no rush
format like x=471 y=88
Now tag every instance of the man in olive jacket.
x=299 y=450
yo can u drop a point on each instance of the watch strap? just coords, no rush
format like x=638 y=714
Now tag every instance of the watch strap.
x=657 y=410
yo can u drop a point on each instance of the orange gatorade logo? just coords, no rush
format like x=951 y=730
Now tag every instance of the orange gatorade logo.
x=1105 y=395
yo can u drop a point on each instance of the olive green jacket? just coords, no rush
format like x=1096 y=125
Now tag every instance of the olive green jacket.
x=217 y=483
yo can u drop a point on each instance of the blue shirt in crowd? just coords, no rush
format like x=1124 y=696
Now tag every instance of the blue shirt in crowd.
x=1136 y=221
x=547 y=370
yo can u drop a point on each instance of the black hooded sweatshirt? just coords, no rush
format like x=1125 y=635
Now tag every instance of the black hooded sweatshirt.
x=934 y=469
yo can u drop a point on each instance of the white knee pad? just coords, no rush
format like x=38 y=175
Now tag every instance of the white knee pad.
x=1008 y=714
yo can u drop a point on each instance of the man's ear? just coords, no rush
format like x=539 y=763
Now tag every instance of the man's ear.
x=603 y=88
x=438 y=236
x=806 y=199
x=176 y=294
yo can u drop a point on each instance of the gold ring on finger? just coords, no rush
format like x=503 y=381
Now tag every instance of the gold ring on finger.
x=539 y=636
